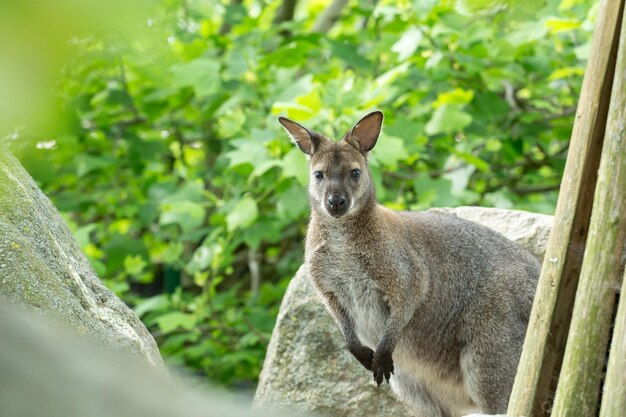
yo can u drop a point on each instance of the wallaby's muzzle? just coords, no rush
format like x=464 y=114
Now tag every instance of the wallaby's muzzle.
x=336 y=205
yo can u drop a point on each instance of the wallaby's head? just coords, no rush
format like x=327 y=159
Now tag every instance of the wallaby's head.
x=340 y=183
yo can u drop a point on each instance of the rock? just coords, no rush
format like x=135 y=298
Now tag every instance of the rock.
x=41 y=266
x=46 y=371
x=307 y=367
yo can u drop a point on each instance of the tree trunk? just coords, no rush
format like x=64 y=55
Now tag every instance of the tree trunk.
x=544 y=345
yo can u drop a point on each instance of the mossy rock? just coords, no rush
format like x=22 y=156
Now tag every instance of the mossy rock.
x=42 y=266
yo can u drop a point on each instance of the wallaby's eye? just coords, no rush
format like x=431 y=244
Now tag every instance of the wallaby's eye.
x=318 y=175
x=356 y=174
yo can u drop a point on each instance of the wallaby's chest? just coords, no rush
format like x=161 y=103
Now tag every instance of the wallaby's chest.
x=343 y=271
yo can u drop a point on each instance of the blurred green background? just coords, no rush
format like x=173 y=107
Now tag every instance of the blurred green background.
x=152 y=127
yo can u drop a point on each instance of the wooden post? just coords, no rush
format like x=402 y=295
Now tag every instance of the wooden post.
x=579 y=383
x=544 y=345
x=614 y=396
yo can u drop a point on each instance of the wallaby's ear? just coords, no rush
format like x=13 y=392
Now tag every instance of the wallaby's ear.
x=299 y=134
x=365 y=132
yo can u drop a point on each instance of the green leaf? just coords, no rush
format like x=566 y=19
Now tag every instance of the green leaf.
x=456 y=96
x=203 y=257
x=474 y=160
x=158 y=302
x=408 y=43
x=447 y=118
x=134 y=264
x=566 y=72
x=89 y=163
x=263 y=167
x=303 y=108
x=583 y=51
x=242 y=215
x=202 y=74
x=292 y=202
x=82 y=234
x=459 y=179
x=434 y=192
x=531 y=31
x=568 y=4
x=346 y=50
x=482 y=7
x=190 y=191
x=295 y=165
x=187 y=214
x=390 y=151
x=247 y=152
x=172 y=252
x=557 y=25
x=263 y=230
x=175 y=320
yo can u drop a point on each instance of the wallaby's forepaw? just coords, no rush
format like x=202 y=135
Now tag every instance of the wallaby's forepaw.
x=364 y=355
x=382 y=366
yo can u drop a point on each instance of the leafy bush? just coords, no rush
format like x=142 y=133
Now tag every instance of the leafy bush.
x=188 y=198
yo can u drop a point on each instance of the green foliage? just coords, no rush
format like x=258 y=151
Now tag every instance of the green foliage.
x=184 y=192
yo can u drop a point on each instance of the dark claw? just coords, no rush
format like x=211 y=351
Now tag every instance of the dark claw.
x=382 y=367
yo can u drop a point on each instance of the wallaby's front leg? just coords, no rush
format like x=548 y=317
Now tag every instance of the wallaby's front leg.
x=343 y=319
x=382 y=362
x=402 y=307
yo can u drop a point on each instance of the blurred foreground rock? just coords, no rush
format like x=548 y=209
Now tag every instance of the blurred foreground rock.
x=41 y=266
x=47 y=372
x=307 y=367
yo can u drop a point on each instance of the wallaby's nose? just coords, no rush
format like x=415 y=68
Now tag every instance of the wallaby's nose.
x=336 y=201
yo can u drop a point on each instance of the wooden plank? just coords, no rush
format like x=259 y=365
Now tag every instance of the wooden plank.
x=581 y=375
x=544 y=345
x=614 y=395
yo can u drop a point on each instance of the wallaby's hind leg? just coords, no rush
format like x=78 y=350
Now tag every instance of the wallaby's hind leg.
x=488 y=372
x=412 y=392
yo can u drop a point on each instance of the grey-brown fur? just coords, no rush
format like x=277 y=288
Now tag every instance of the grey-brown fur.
x=436 y=305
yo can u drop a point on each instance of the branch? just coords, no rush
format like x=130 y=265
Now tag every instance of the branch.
x=285 y=11
x=255 y=273
x=327 y=19
x=536 y=189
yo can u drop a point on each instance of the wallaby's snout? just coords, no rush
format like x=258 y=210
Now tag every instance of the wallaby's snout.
x=336 y=205
x=340 y=181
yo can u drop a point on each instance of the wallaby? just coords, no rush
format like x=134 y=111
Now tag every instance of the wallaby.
x=436 y=305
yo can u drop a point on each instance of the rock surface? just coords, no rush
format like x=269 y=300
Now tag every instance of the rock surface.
x=41 y=266
x=307 y=367
x=46 y=371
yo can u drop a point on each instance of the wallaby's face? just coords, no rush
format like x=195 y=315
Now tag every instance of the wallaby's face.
x=339 y=179
x=340 y=182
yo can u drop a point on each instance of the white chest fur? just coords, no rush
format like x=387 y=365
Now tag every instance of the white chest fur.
x=355 y=289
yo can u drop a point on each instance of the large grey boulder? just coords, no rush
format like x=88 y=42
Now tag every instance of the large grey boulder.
x=46 y=371
x=41 y=266
x=307 y=367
